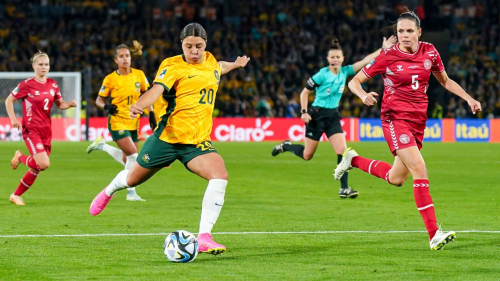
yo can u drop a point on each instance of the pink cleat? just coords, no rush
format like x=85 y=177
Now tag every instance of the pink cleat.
x=206 y=244
x=100 y=202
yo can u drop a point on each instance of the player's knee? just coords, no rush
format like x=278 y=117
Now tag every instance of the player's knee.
x=307 y=157
x=419 y=170
x=398 y=181
x=221 y=175
x=132 y=181
x=43 y=165
x=224 y=176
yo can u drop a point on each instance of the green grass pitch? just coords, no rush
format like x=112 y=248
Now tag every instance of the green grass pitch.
x=275 y=210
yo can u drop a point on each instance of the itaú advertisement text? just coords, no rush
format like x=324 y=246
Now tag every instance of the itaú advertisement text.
x=279 y=129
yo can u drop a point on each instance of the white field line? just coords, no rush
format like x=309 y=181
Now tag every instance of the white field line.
x=236 y=233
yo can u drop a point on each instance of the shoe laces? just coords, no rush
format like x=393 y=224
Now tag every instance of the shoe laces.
x=440 y=229
x=279 y=147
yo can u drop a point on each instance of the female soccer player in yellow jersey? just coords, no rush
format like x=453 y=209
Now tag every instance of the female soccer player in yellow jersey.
x=124 y=86
x=188 y=84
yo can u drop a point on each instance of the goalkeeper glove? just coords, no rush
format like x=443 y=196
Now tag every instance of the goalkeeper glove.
x=152 y=120
x=111 y=109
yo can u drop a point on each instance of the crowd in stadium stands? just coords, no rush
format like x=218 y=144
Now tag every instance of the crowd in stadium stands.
x=286 y=40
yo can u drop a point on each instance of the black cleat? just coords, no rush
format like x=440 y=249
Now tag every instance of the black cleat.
x=348 y=193
x=279 y=148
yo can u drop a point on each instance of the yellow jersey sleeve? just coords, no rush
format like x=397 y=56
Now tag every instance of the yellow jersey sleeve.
x=106 y=87
x=145 y=83
x=166 y=75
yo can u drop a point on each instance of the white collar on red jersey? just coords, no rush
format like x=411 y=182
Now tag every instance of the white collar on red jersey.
x=406 y=53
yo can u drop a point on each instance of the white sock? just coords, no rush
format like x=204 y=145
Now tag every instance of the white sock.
x=130 y=162
x=118 y=183
x=116 y=153
x=212 y=204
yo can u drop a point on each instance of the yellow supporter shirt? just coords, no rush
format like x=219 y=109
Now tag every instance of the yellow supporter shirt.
x=189 y=98
x=124 y=91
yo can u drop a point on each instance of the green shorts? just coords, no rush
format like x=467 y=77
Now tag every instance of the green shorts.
x=156 y=153
x=120 y=134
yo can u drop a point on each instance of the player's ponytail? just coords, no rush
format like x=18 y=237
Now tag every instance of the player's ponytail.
x=135 y=50
x=335 y=45
x=37 y=55
x=193 y=29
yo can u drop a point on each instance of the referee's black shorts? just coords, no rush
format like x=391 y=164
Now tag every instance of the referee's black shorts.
x=324 y=120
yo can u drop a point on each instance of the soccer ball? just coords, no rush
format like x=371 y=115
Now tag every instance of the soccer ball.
x=180 y=246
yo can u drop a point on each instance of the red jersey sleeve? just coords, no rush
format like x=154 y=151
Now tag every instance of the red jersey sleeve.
x=20 y=92
x=376 y=66
x=437 y=63
x=57 y=94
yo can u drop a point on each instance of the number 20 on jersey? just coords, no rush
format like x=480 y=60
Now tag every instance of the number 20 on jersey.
x=207 y=96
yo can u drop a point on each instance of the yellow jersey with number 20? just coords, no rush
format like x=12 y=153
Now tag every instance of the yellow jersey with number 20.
x=189 y=98
x=124 y=91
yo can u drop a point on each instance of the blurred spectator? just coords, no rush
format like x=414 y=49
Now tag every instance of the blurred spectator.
x=286 y=40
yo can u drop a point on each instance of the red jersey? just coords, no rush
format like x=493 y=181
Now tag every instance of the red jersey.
x=37 y=100
x=406 y=79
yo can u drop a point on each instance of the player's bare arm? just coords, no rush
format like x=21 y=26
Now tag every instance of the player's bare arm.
x=146 y=100
x=452 y=86
x=9 y=105
x=228 y=66
x=63 y=105
x=386 y=44
x=304 y=99
x=100 y=103
x=355 y=87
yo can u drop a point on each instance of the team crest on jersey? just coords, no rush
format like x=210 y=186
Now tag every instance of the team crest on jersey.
x=145 y=158
x=52 y=93
x=427 y=64
x=55 y=85
x=162 y=73
x=137 y=86
x=102 y=89
x=404 y=139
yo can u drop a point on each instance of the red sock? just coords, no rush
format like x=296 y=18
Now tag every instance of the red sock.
x=377 y=168
x=424 y=204
x=26 y=182
x=29 y=161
